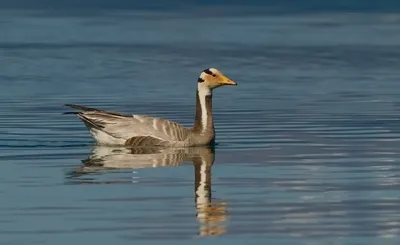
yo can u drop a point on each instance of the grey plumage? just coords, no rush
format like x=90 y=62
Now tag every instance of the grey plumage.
x=133 y=130
x=114 y=128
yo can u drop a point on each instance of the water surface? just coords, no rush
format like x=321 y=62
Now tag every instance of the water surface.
x=307 y=143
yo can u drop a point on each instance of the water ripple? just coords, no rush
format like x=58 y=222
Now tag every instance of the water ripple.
x=307 y=143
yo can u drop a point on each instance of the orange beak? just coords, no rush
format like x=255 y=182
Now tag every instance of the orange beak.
x=227 y=81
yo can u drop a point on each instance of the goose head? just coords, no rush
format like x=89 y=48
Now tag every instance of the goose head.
x=213 y=78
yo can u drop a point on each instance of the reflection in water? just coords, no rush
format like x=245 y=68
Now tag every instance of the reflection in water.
x=210 y=214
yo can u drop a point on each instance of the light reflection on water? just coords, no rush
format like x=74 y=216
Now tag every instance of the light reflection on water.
x=210 y=214
x=307 y=143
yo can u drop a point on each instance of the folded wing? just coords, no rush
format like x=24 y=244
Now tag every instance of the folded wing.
x=136 y=129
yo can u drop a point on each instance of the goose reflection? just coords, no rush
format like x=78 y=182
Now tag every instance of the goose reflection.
x=210 y=214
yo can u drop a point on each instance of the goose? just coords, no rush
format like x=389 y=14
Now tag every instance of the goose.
x=113 y=128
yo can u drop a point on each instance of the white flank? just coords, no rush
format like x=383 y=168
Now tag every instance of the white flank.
x=104 y=138
x=204 y=90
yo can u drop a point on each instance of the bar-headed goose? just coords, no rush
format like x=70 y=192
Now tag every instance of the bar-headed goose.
x=112 y=128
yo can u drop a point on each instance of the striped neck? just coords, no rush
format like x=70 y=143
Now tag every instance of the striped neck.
x=203 y=121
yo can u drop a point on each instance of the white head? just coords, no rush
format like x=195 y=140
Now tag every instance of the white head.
x=212 y=78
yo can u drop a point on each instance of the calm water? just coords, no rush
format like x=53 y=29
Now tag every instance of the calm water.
x=308 y=143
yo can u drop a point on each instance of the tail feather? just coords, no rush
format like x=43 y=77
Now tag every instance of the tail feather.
x=72 y=112
x=81 y=115
x=81 y=107
x=89 y=122
x=90 y=109
x=96 y=121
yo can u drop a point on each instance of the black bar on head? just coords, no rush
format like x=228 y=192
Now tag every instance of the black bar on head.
x=200 y=80
x=208 y=71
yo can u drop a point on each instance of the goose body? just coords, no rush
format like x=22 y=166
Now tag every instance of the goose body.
x=111 y=128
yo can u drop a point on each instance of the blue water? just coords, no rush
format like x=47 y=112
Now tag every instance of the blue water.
x=307 y=143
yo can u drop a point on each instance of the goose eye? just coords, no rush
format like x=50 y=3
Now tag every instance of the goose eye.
x=214 y=75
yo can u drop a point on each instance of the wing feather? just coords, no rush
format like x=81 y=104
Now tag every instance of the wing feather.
x=132 y=127
x=144 y=141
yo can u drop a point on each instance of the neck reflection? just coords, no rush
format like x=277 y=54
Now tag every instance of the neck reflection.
x=210 y=214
